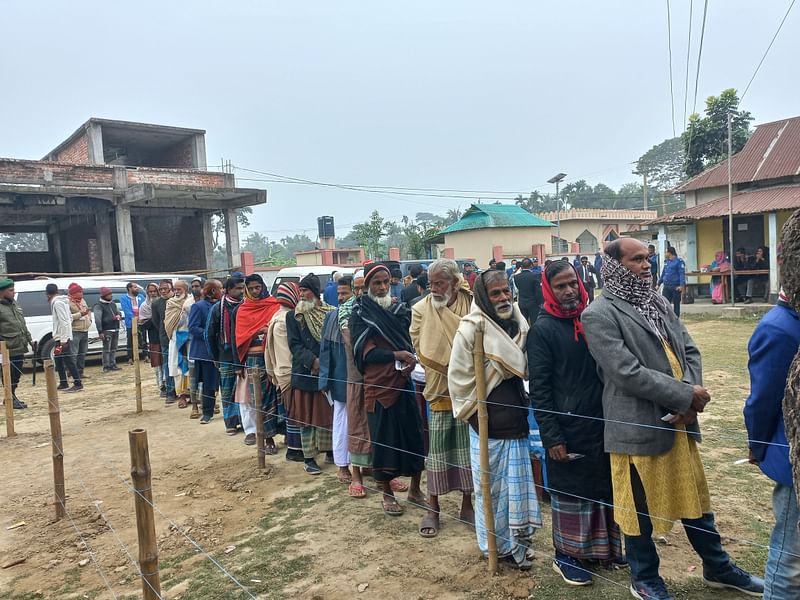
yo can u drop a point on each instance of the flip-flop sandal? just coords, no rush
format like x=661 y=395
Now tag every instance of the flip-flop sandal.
x=183 y=402
x=345 y=479
x=398 y=486
x=356 y=490
x=271 y=449
x=428 y=522
x=393 y=509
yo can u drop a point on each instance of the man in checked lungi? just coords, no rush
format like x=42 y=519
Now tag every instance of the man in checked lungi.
x=434 y=321
x=512 y=492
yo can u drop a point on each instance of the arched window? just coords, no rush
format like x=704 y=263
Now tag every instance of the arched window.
x=587 y=242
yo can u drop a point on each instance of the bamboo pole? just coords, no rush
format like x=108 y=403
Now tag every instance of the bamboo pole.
x=54 y=412
x=145 y=523
x=8 y=398
x=483 y=432
x=137 y=374
x=258 y=399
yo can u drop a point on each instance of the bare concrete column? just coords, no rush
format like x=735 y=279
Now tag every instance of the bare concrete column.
x=94 y=134
x=208 y=238
x=232 y=237
x=102 y=222
x=127 y=261
x=54 y=241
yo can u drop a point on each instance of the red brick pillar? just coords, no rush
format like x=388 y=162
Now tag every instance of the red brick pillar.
x=497 y=253
x=394 y=253
x=247 y=263
x=449 y=253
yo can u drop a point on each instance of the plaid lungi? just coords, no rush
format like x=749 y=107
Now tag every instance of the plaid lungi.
x=585 y=529
x=516 y=508
x=448 y=455
x=227 y=389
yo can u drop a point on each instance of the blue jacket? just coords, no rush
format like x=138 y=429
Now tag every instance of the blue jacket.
x=772 y=348
x=331 y=294
x=127 y=308
x=674 y=273
x=396 y=289
x=654 y=265
x=198 y=315
x=333 y=358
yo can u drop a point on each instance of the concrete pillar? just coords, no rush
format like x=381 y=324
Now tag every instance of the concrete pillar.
x=94 y=134
x=690 y=258
x=246 y=262
x=449 y=253
x=127 y=259
x=540 y=252
x=661 y=245
x=199 y=152
x=394 y=253
x=54 y=243
x=231 y=236
x=102 y=223
x=774 y=280
x=497 y=253
x=208 y=238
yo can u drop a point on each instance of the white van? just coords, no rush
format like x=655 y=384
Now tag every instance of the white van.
x=324 y=272
x=38 y=318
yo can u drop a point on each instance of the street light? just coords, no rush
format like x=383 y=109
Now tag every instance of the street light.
x=558 y=179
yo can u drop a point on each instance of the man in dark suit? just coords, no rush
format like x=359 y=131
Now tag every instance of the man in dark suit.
x=652 y=376
x=587 y=274
x=411 y=291
x=529 y=291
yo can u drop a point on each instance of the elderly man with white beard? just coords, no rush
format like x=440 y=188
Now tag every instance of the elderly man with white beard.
x=383 y=354
x=434 y=321
x=513 y=494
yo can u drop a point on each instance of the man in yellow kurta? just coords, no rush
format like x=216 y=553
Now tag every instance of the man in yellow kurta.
x=434 y=321
x=652 y=377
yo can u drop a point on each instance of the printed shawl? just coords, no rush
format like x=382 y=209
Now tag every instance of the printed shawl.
x=314 y=319
x=620 y=281
x=370 y=319
x=227 y=311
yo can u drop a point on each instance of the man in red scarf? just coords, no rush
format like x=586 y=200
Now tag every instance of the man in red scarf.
x=567 y=398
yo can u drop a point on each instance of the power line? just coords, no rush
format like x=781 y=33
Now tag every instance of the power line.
x=669 y=47
x=699 y=56
x=688 y=55
x=788 y=10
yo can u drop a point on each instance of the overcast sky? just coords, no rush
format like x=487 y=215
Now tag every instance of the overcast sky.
x=439 y=94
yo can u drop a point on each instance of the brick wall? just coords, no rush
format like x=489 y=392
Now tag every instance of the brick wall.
x=178 y=156
x=176 y=177
x=49 y=173
x=172 y=243
x=77 y=152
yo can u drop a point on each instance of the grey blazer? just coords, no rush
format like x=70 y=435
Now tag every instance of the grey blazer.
x=639 y=386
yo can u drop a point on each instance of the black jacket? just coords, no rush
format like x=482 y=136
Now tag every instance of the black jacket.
x=529 y=288
x=563 y=379
x=304 y=350
x=410 y=292
x=591 y=273
x=156 y=322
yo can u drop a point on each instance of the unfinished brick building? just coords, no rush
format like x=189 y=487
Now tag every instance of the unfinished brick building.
x=121 y=196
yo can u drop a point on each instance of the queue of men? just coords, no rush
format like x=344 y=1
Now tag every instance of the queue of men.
x=616 y=386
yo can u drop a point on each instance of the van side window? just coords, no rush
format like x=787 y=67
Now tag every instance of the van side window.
x=34 y=304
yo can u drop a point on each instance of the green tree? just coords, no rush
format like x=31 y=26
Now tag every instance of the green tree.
x=537 y=202
x=417 y=235
x=218 y=221
x=663 y=165
x=370 y=233
x=705 y=140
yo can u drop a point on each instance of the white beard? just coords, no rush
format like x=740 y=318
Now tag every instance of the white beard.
x=506 y=312
x=304 y=306
x=382 y=301
x=438 y=304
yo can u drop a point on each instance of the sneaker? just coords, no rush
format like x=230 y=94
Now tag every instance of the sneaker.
x=250 y=439
x=163 y=394
x=735 y=578
x=19 y=405
x=115 y=368
x=205 y=419
x=311 y=467
x=63 y=386
x=510 y=561
x=75 y=388
x=171 y=399
x=649 y=590
x=294 y=455
x=571 y=570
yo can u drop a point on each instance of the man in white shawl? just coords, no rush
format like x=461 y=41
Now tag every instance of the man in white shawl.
x=176 y=323
x=513 y=494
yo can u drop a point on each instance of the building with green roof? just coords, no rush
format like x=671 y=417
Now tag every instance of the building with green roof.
x=502 y=231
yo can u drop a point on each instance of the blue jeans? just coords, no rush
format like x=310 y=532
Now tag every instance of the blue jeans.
x=673 y=296
x=641 y=550
x=168 y=381
x=782 y=576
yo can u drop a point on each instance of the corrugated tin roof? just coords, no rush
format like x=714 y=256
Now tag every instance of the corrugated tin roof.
x=485 y=216
x=773 y=151
x=744 y=203
x=601 y=214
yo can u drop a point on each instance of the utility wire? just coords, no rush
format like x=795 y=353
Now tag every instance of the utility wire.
x=774 y=37
x=688 y=56
x=699 y=56
x=669 y=47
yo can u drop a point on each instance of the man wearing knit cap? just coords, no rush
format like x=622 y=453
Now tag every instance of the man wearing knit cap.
x=278 y=358
x=384 y=354
x=15 y=334
x=309 y=408
x=107 y=318
x=81 y=321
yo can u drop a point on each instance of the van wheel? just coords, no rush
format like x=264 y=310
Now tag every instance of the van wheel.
x=46 y=351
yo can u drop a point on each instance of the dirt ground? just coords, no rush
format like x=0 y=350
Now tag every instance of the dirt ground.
x=284 y=534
